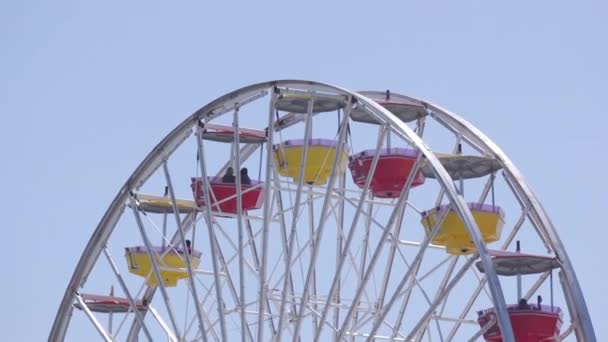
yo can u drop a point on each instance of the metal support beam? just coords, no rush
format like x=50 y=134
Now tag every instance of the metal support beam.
x=187 y=255
x=351 y=233
x=267 y=217
x=323 y=217
x=211 y=230
x=292 y=235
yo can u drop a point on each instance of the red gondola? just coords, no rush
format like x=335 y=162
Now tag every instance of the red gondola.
x=393 y=169
x=108 y=304
x=223 y=195
x=530 y=322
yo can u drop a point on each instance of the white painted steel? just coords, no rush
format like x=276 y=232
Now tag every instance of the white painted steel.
x=361 y=320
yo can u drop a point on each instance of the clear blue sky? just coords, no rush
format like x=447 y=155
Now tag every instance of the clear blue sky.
x=88 y=88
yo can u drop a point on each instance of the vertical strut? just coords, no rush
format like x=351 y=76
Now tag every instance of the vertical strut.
x=401 y=202
x=188 y=258
x=292 y=234
x=267 y=216
x=152 y=256
x=211 y=231
x=316 y=240
x=125 y=289
x=351 y=233
x=413 y=266
x=239 y=220
x=92 y=318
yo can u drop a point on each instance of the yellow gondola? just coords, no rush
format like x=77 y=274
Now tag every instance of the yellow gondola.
x=453 y=233
x=172 y=265
x=319 y=160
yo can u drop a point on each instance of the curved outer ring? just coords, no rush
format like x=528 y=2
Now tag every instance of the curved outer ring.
x=165 y=148
x=585 y=326
x=525 y=193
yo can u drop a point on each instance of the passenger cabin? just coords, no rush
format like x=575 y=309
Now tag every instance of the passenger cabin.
x=171 y=261
x=223 y=195
x=530 y=322
x=453 y=233
x=392 y=170
x=108 y=304
x=319 y=159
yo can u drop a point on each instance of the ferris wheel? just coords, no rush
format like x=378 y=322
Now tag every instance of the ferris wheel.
x=296 y=210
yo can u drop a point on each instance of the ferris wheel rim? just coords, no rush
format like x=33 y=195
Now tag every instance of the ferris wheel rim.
x=154 y=159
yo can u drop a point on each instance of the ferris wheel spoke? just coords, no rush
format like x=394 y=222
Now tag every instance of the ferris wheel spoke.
x=353 y=267
x=187 y=224
x=239 y=221
x=317 y=235
x=284 y=242
x=351 y=233
x=205 y=317
x=292 y=235
x=417 y=284
x=390 y=259
x=153 y=257
x=479 y=277
x=250 y=242
x=301 y=248
x=364 y=249
x=212 y=331
x=211 y=232
x=262 y=285
x=170 y=335
x=417 y=260
x=534 y=220
x=298 y=256
x=229 y=281
x=256 y=260
x=394 y=244
x=182 y=235
x=236 y=249
x=444 y=281
x=407 y=292
x=423 y=321
x=566 y=333
x=100 y=329
x=339 y=248
x=400 y=205
x=125 y=290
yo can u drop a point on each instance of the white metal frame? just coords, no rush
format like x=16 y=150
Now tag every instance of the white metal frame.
x=362 y=318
